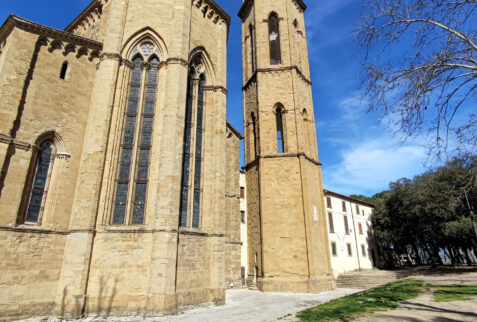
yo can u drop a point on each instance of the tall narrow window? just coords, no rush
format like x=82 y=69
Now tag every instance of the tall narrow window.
x=343 y=205
x=252 y=48
x=124 y=175
x=187 y=153
x=333 y=249
x=38 y=190
x=144 y=148
x=357 y=209
x=274 y=36
x=346 y=225
x=255 y=138
x=198 y=153
x=360 y=226
x=350 y=251
x=64 y=69
x=331 y=223
x=280 y=139
x=328 y=202
x=192 y=153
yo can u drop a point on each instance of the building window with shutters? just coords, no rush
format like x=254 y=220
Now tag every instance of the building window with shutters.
x=334 y=251
x=360 y=227
x=242 y=217
x=343 y=205
x=135 y=152
x=328 y=202
x=357 y=209
x=350 y=250
x=191 y=187
x=274 y=39
x=242 y=192
x=330 y=222
x=363 y=250
x=346 y=225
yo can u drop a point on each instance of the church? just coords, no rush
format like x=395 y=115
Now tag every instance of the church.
x=119 y=182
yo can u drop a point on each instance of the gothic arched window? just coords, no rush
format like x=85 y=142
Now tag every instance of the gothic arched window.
x=252 y=48
x=191 y=189
x=274 y=39
x=39 y=185
x=279 y=122
x=134 y=160
x=254 y=132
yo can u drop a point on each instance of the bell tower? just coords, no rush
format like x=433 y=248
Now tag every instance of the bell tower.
x=288 y=242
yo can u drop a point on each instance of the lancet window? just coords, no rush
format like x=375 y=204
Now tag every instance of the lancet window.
x=134 y=160
x=279 y=122
x=274 y=39
x=43 y=165
x=252 y=48
x=191 y=187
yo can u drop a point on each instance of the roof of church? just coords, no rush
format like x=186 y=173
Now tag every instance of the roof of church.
x=15 y=21
x=247 y=5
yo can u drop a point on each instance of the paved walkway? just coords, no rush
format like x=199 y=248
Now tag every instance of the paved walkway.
x=245 y=305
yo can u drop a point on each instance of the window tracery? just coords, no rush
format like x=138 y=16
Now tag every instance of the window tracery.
x=134 y=160
x=40 y=180
x=191 y=190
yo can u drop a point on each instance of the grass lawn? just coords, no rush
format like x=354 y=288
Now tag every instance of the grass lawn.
x=379 y=299
x=450 y=293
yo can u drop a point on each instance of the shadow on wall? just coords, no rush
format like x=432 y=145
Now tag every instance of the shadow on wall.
x=21 y=106
x=103 y=306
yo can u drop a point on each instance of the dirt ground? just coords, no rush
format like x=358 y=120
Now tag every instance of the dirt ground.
x=425 y=309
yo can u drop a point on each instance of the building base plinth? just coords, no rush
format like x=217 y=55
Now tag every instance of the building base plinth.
x=296 y=284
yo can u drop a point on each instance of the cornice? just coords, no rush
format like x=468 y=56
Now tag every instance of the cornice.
x=235 y=131
x=278 y=70
x=283 y=155
x=213 y=11
x=216 y=88
x=14 y=21
x=247 y=6
x=245 y=9
x=95 y=4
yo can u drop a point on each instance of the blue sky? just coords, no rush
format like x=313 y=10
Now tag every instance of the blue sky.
x=359 y=152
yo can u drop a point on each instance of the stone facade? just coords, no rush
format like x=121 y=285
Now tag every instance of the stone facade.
x=74 y=91
x=233 y=242
x=288 y=241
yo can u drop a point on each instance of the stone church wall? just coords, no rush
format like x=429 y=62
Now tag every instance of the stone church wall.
x=232 y=211
x=35 y=101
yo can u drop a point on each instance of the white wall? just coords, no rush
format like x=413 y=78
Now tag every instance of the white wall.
x=342 y=262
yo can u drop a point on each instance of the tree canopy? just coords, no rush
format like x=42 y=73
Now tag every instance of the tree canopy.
x=428 y=214
x=420 y=69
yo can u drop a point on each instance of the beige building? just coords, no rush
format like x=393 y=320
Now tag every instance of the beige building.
x=243 y=227
x=349 y=232
x=119 y=186
x=287 y=235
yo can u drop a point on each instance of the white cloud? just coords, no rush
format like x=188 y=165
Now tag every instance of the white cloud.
x=369 y=166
